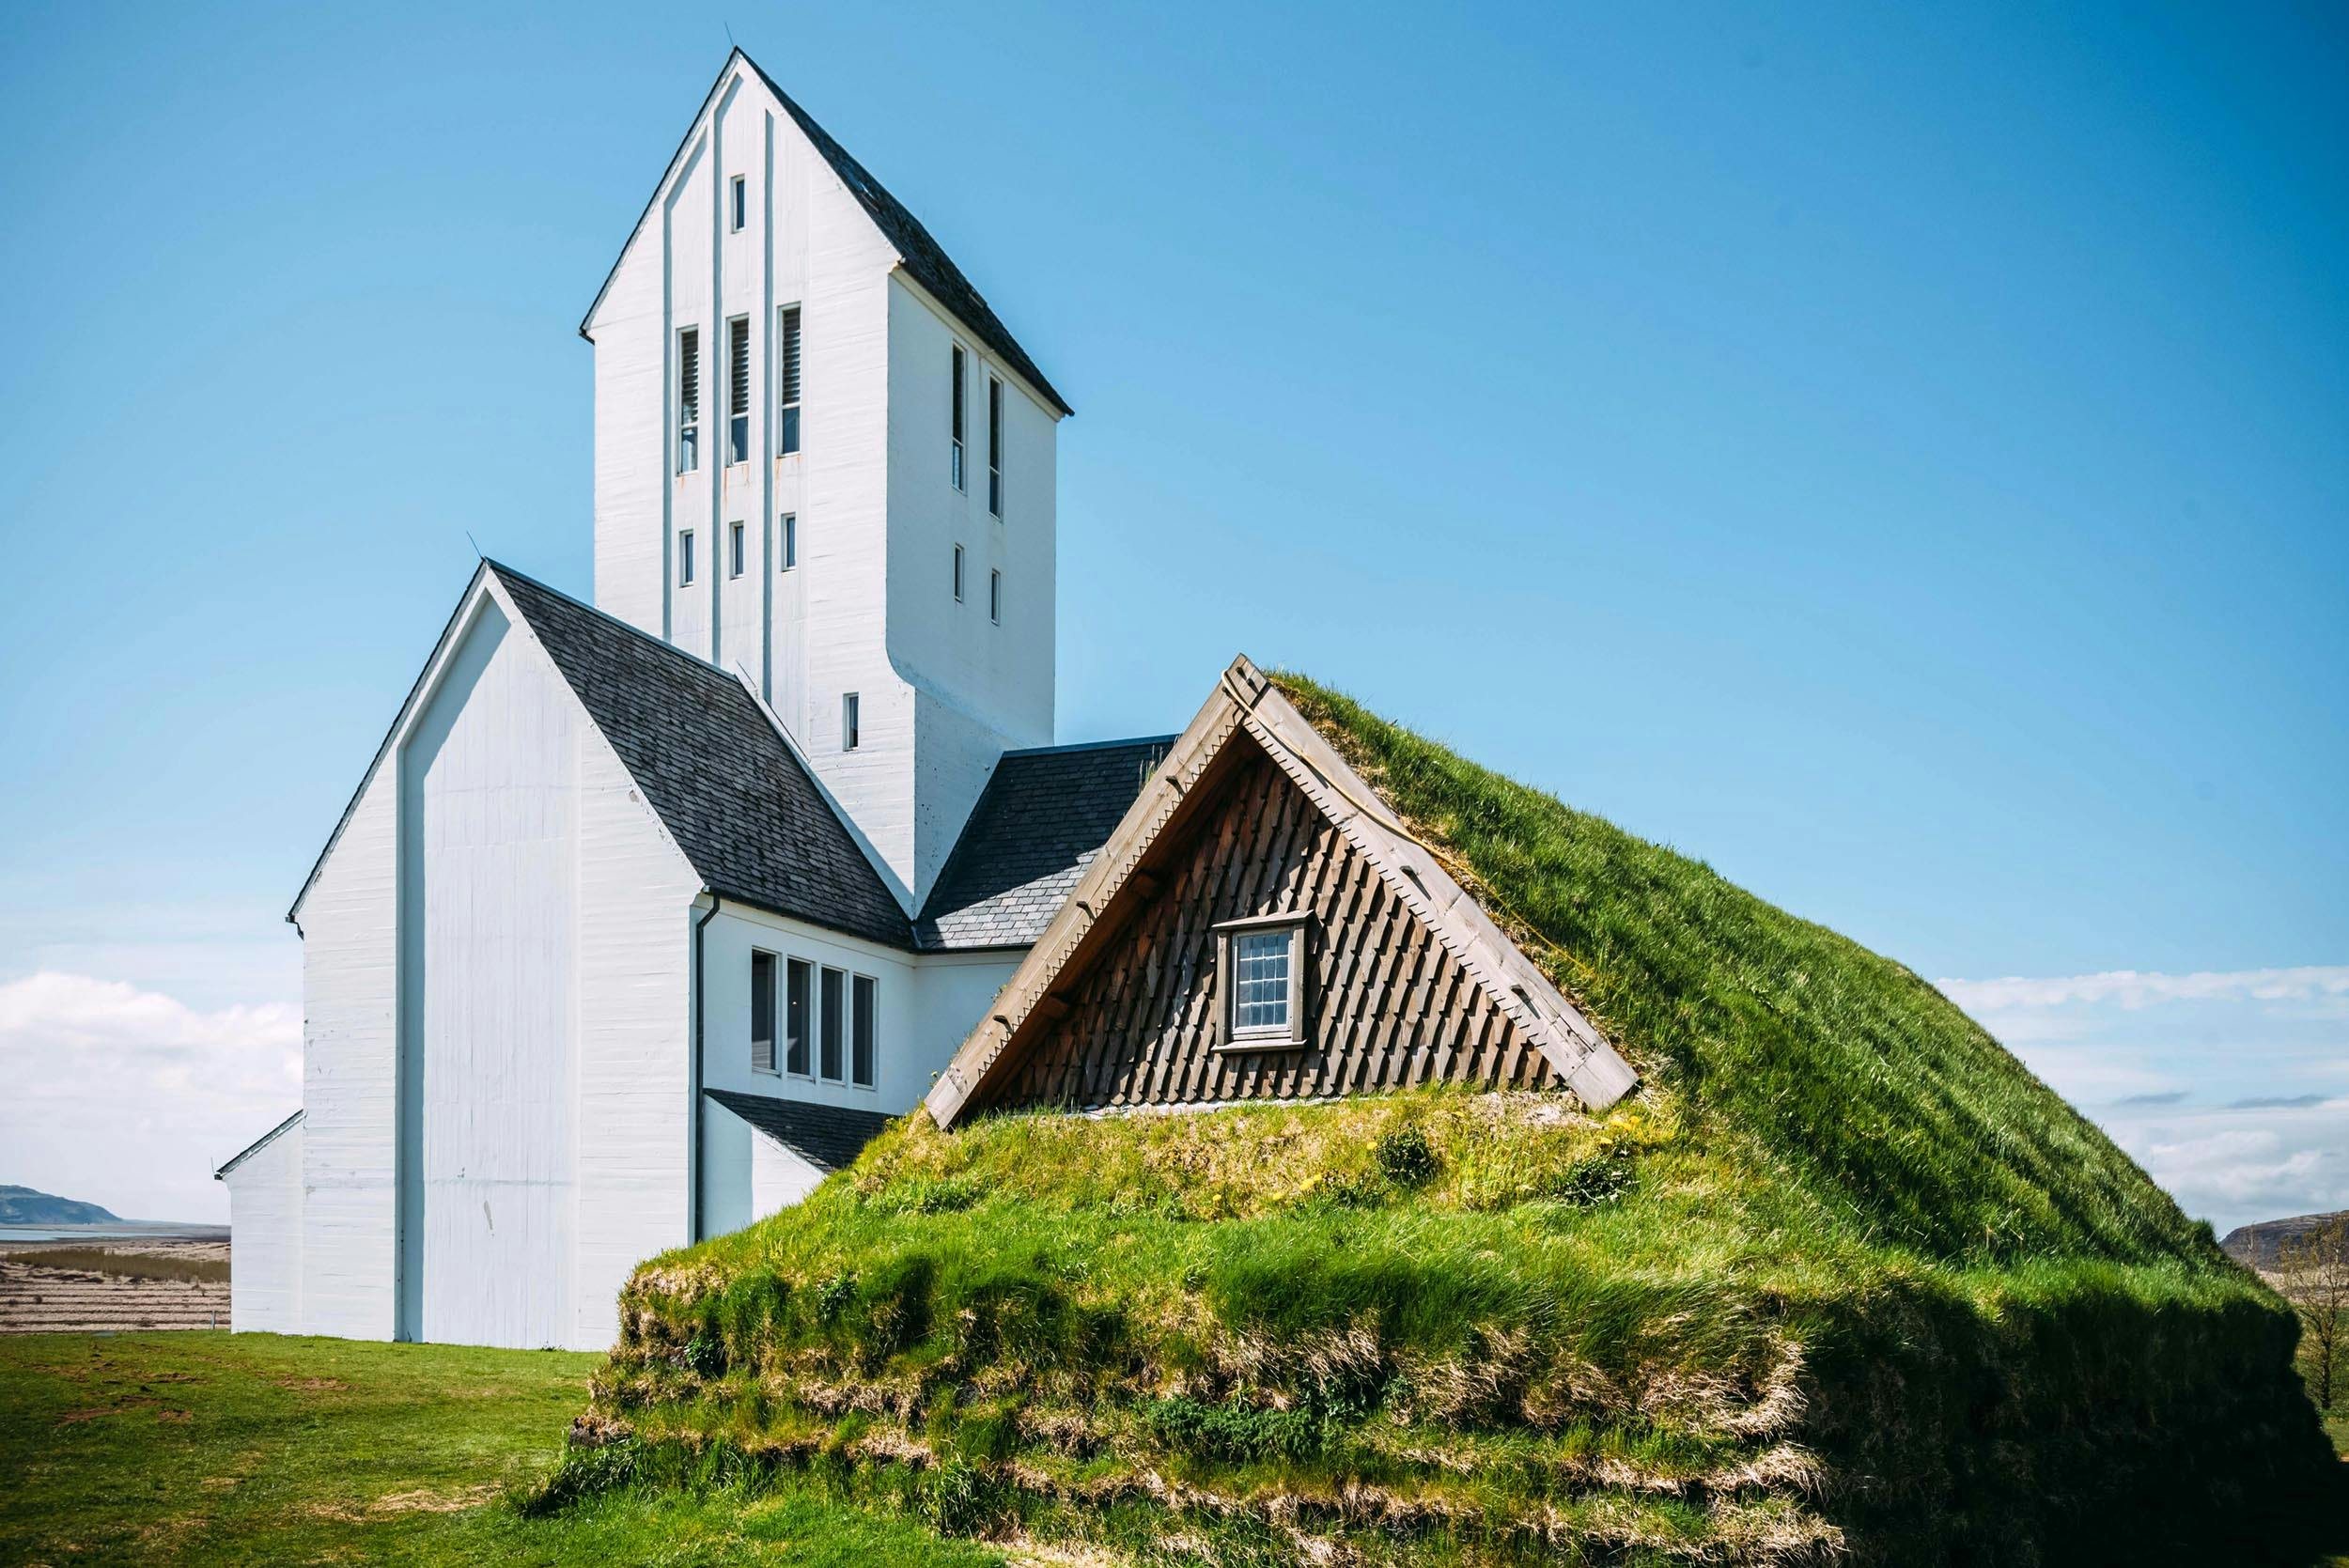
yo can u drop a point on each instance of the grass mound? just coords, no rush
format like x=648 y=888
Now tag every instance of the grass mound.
x=1841 y=1281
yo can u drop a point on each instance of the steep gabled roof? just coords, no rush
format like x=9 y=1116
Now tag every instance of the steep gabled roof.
x=1043 y=817
x=828 y=1137
x=925 y=260
x=1248 y=711
x=739 y=801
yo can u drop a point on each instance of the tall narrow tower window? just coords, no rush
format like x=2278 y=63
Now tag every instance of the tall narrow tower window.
x=688 y=400
x=788 y=381
x=734 y=548
x=739 y=203
x=958 y=424
x=957 y=574
x=847 y=721
x=685 y=559
x=739 y=390
x=995 y=446
x=791 y=550
x=995 y=597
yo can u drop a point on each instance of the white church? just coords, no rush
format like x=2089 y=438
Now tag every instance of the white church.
x=647 y=913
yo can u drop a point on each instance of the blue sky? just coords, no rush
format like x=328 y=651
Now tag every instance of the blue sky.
x=1895 y=453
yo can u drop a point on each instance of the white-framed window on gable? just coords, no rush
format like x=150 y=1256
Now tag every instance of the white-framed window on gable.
x=1260 y=983
x=798 y=1004
x=956 y=419
x=688 y=400
x=685 y=558
x=737 y=204
x=788 y=381
x=995 y=446
x=739 y=390
x=762 y=1011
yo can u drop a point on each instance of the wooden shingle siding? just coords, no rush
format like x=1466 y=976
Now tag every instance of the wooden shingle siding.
x=1386 y=1005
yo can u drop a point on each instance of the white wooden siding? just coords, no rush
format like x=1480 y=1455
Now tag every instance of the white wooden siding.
x=265 y=1224
x=349 y=1061
x=489 y=921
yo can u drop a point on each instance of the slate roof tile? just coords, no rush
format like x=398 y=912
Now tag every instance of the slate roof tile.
x=1043 y=817
x=826 y=1136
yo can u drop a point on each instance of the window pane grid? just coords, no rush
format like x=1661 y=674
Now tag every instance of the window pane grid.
x=1260 y=974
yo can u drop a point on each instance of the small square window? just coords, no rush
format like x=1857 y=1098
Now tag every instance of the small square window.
x=741 y=203
x=1261 y=977
x=734 y=561
x=685 y=559
x=957 y=574
x=848 y=735
x=790 y=551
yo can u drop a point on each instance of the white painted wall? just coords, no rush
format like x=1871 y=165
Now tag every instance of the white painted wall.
x=349 y=1073
x=867 y=608
x=265 y=1224
x=489 y=955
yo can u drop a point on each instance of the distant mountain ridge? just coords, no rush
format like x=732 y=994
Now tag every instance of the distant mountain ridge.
x=22 y=1205
x=2261 y=1246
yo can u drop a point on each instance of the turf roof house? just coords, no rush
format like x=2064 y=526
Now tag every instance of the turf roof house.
x=649 y=912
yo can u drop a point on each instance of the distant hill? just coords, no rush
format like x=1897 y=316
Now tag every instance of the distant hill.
x=2261 y=1246
x=21 y=1205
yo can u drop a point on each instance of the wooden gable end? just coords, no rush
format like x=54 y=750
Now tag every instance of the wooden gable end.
x=1385 y=1004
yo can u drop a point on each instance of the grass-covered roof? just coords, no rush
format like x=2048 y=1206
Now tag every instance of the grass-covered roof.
x=1841 y=1280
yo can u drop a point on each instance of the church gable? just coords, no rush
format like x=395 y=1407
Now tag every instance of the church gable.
x=1273 y=962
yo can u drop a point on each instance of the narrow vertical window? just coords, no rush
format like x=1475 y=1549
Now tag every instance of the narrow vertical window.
x=734 y=544
x=828 y=1026
x=957 y=574
x=790 y=551
x=861 y=1032
x=995 y=597
x=739 y=390
x=788 y=381
x=762 y=1011
x=795 y=1009
x=995 y=446
x=847 y=721
x=957 y=420
x=688 y=400
x=685 y=558
x=738 y=201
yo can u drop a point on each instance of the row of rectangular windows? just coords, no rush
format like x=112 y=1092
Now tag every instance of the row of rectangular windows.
x=688 y=403
x=829 y=1021
x=789 y=557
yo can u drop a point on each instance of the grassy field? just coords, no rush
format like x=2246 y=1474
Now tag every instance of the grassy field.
x=197 y=1447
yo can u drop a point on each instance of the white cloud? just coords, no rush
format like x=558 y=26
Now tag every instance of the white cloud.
x=2135 y=988
x=129 y=1099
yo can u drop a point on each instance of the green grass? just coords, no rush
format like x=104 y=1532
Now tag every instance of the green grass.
x=1843 y=1281
x=200 y=1448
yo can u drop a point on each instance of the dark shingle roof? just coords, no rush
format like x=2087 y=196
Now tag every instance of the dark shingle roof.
x=1043 y=817
x=737 y=801
x=926 y=259
x=826 y=1136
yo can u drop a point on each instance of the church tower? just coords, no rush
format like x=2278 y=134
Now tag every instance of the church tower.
x=823 y=462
